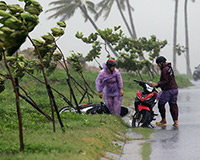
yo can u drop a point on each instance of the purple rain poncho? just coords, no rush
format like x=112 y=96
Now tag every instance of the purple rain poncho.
x=110 y=84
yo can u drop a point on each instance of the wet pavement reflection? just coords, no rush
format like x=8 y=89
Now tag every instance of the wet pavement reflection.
x=182 y=143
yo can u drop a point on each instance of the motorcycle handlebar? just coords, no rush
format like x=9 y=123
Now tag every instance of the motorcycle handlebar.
x=141 y=83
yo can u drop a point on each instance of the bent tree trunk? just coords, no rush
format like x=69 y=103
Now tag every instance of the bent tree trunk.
x=46 y=82
x=17 y=104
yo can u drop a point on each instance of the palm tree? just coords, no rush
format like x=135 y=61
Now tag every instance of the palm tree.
x=67 y=8
x=188 y=69
x=106 y=6
x=175 y=36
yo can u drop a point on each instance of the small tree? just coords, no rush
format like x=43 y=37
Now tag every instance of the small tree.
x=16 y=24
x=129 y=49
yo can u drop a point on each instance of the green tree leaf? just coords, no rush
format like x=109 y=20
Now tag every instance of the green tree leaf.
x=62 y=24
x=57 y=32
x=3 y=6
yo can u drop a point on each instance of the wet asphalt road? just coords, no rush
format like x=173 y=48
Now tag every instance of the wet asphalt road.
x=183 y=143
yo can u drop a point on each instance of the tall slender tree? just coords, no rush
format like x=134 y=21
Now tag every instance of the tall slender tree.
x=106 y=6
x=131 y=19
x=188 y=69
x=67 y=8
x=175 y=36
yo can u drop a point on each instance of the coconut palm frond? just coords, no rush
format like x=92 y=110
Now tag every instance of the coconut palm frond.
x=59 y=2
x=105 y=6
x=122 y=4
x=89 y=3
x=67 y=16
x=69 y=11
x=55 y=8
x=91 y=7
x=66 y=10
x=84 y=16
x=84 y=13
x=108 y=9
x=102 y=3
x=96 y=17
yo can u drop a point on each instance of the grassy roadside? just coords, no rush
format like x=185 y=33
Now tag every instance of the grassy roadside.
x=86 y=137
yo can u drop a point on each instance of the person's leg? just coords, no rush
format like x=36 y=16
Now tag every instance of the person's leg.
x=173 y=106
x=117 y=105
x=161 y=108
x=163 y=98
x=109 y=103
x=174 y=113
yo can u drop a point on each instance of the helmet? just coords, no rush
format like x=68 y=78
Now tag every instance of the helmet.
x=160 y=59
x=111 y=63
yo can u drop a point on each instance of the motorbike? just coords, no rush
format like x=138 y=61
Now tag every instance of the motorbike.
x=196 y=74
x=144 y=102
x=91 y=108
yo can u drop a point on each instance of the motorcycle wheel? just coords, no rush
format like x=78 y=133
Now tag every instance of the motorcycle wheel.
x=66 y=109
x=135 y=119
x=195 y=77
x=141 y=119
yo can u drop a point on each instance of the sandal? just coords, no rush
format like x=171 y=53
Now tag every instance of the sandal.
x=175 y=124
x=161 y=124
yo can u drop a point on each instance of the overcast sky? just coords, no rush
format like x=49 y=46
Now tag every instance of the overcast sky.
x=151 y=17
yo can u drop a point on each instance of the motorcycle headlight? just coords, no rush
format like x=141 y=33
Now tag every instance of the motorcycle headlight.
x=149 y=88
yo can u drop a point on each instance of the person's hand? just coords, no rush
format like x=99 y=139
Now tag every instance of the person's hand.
x=100 y=95
x=121 y=92
x=154 y=84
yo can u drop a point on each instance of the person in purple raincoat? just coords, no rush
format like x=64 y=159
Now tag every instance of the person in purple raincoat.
x=169 y=91
x=109 y=82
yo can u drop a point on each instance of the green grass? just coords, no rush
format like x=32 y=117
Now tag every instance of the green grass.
x=146 y=151
x=146 y=132
x=146 y=146
x=87 y=136
x=183 y=81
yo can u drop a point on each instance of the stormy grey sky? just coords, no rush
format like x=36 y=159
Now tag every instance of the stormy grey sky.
x=151 y=17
